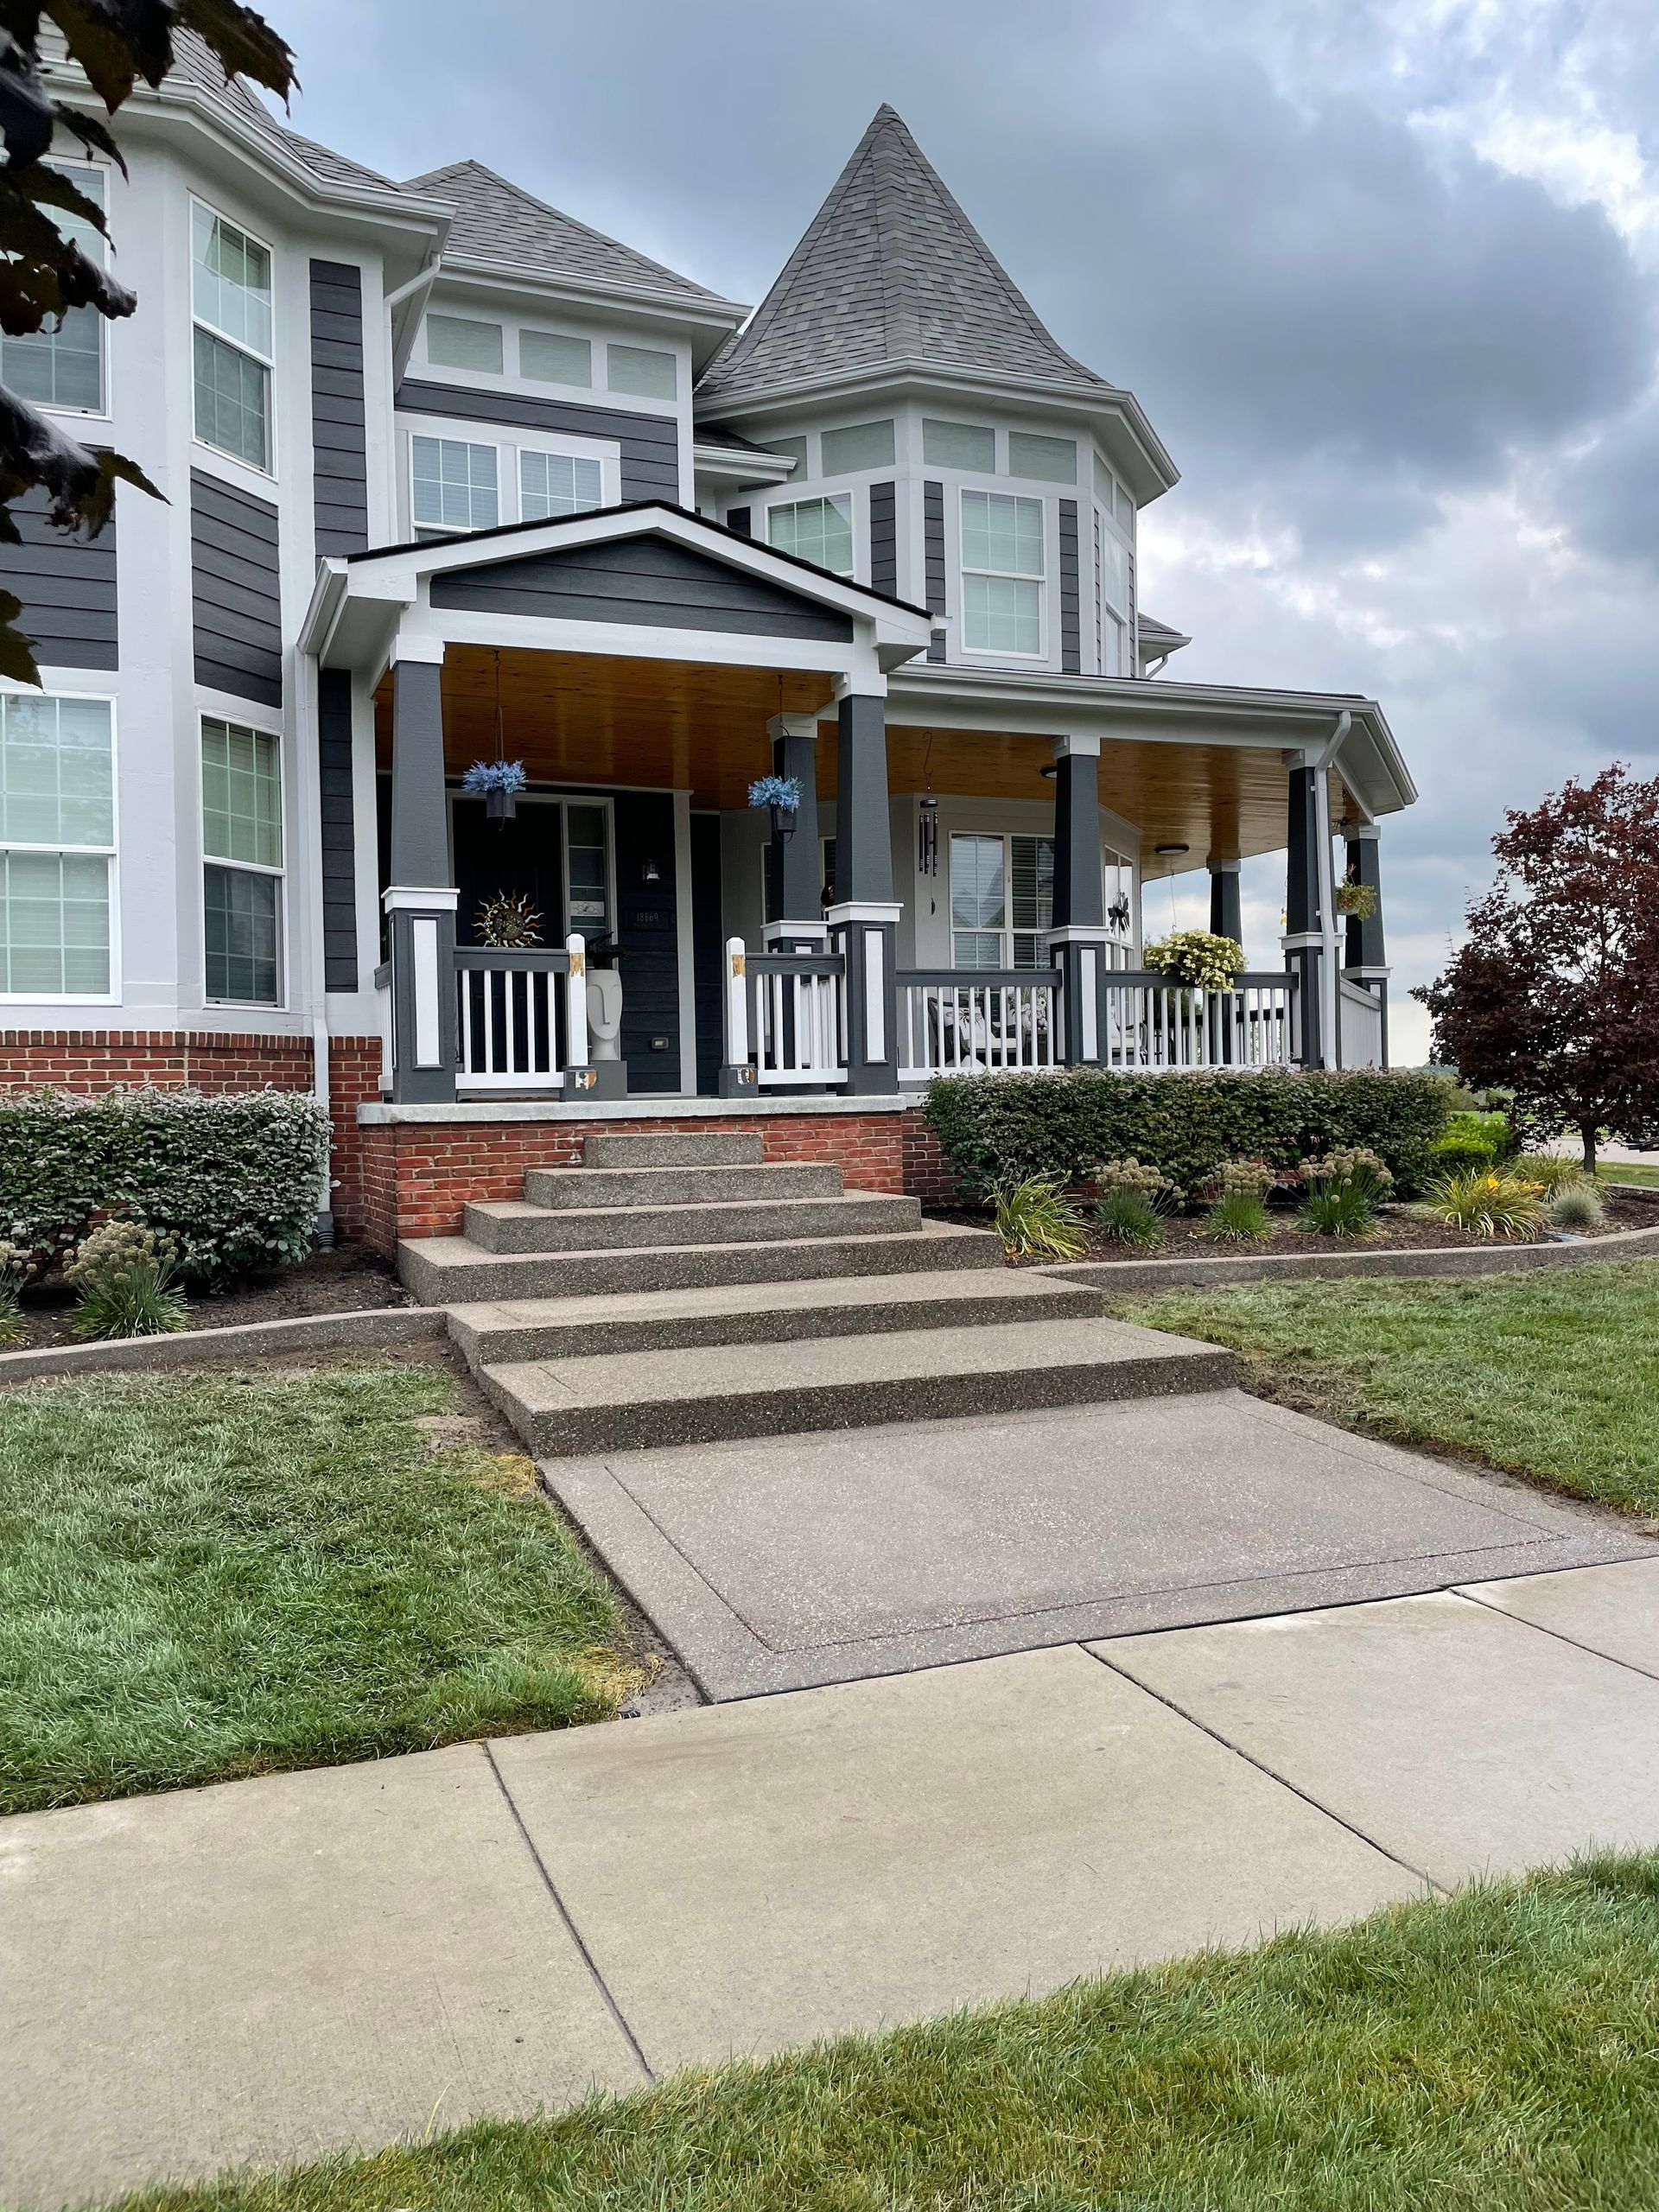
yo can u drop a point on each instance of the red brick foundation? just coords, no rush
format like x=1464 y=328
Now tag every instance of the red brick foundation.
x=417 y=1176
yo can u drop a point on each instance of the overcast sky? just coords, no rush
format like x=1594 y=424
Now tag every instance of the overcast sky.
x=1383 y=276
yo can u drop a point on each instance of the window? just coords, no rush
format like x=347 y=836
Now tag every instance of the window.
x=65 y=367
x=587 y=869
x=557 y=484
x=57 y=845
x=231 y=298
x=1053 y=461
x=640 y=370
x=1114 y=582
x=454 y=486
x=549 y=359
x=454 y=341
x=1001 y=573
x=1001 y=901
x=242 y=855
x=816 y=530
x=959 y=445
x=862 y=445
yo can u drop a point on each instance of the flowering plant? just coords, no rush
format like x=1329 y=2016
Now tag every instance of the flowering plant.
x=777 y=790
x=1195 y=957
x=486 y=776
x=1359 y=899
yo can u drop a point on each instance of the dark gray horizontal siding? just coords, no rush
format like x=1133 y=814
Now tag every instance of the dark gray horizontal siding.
x=1070 y=599
x=933 y=557
x=236 y=591
x=884 y=539
x=338 y=433
x=645 y=580
x=339 y=830
x=649 y=443
x=68 y=586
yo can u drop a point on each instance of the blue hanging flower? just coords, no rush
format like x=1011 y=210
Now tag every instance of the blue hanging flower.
x=494 y=776
x=783 y=792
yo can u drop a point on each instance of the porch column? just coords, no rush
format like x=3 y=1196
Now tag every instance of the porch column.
x=864 y=920
x=792 y=872
x=1226 y=906
x=1304 y=937
x=1079 y=935
x=421 y=899
x=1364 y=955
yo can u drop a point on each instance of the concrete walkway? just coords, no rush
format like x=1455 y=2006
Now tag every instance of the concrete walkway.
x=266 y=1970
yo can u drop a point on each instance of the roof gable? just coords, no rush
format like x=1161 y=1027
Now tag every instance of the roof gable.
x=890 y=275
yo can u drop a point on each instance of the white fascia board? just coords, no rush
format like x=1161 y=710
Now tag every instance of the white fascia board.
x=725 y=464
x=858 y=658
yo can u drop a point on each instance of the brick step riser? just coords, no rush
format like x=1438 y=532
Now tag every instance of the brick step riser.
x=559 y=1188
x=626 y=1427
x=646 y=1227
x=626 y=1150
x=774 y=1325
x=578 y=1274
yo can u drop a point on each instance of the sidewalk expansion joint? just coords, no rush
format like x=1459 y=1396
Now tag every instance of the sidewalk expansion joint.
x=1542 y=1628
x=1272 y=1773
x=570 y=1927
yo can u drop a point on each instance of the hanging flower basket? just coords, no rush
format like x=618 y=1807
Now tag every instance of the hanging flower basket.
x=1356 y=900
x=1196 y=959
x=781 y=796
x=498 y=783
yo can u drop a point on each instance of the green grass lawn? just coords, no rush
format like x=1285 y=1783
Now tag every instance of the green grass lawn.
x=1555 y=1375
x=205 y=1576
x=1495 y=2053
x=1621 y=1172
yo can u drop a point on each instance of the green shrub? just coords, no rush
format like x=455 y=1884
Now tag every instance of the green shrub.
x=234 y=1181
x=1239 y=1215
x=997 y=1128
x=1036 y=1220
x=1474 y=1139
x=1577 y=1205
x=14 y=1269
x=1128 y=1217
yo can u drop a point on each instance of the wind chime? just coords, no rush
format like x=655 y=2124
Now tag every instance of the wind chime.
x=927 y=835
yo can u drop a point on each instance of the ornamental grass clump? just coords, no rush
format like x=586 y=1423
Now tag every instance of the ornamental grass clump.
x=1130 y=1197
x=14 y=1272
x=1342 y=1190
x=1238 y=1202
x=1037 y=1221
x=1489 y=1203
x=1577 y=1206
x=1552 y=1173
x=124 y=1272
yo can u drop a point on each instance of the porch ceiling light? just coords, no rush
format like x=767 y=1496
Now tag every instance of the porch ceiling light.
x=1171 y=852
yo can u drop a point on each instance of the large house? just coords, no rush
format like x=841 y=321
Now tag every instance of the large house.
x=451 y=479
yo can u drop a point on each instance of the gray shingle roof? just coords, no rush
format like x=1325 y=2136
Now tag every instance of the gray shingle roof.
x=197 y=65
x=498 y=223
x=890 y=273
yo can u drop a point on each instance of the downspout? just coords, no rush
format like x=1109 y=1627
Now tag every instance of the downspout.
x=1329 y=971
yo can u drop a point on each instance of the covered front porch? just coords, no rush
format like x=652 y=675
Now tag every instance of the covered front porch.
x=958 y=889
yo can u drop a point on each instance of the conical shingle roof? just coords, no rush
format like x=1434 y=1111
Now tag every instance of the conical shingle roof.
x=890 y=275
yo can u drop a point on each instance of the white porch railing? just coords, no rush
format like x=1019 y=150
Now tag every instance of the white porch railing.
x=974 y=1021
x=786 y=1013
x=521 y=1017
x=1154 y=1024
x=1361 y=1016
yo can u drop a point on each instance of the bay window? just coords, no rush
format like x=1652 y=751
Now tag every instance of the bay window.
x=57 y=846
x=242 y=863
x=1002 y=574
x=1002 y=900
x=820 y=531
x=64 y=367
x=454 y=486
x=230 y=300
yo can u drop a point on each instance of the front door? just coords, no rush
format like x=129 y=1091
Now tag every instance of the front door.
x=524 y=856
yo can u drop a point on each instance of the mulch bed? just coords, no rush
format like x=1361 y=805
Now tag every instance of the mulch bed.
x=1185 y=1237
x=348 y=1280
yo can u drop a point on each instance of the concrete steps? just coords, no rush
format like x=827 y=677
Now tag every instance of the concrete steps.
x=720 y=1184
x=515 y=1225
x=632 y=1400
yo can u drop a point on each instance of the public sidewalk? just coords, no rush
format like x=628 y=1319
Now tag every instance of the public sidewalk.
x=265 y=1970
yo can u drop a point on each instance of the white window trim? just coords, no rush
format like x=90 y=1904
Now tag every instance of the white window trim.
x=106 y=412
x=850 y=494
x=112 y=853
x=606 y=453
x=1008 y=932
x=268 y=362
x=1002 y=652
x=453 y=528
x=205 y=859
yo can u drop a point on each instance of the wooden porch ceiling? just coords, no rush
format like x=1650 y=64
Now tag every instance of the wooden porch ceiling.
x=678 y=725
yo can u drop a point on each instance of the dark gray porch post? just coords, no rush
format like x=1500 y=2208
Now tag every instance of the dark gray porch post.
x=864 y=919
x=1364 y=955
x=796 y=880
x=1304 y=943
x=1078 y=936
x=421 y=900
x=1226 y=906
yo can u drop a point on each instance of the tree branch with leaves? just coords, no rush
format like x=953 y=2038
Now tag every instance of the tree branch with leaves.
x=44 y=272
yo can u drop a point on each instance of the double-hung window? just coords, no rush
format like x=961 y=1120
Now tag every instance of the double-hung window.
x=1002 y=574
x=557 y=484
x=57 y=846
x=820 y=531
x=454 y=486
x=242 y=862
x=1002 y=900
x=230 y=297
x=64 y=366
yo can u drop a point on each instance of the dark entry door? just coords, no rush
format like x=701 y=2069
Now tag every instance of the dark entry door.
x=522 y=855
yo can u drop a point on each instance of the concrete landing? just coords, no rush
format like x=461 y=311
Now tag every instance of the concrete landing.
x=773 y=1563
